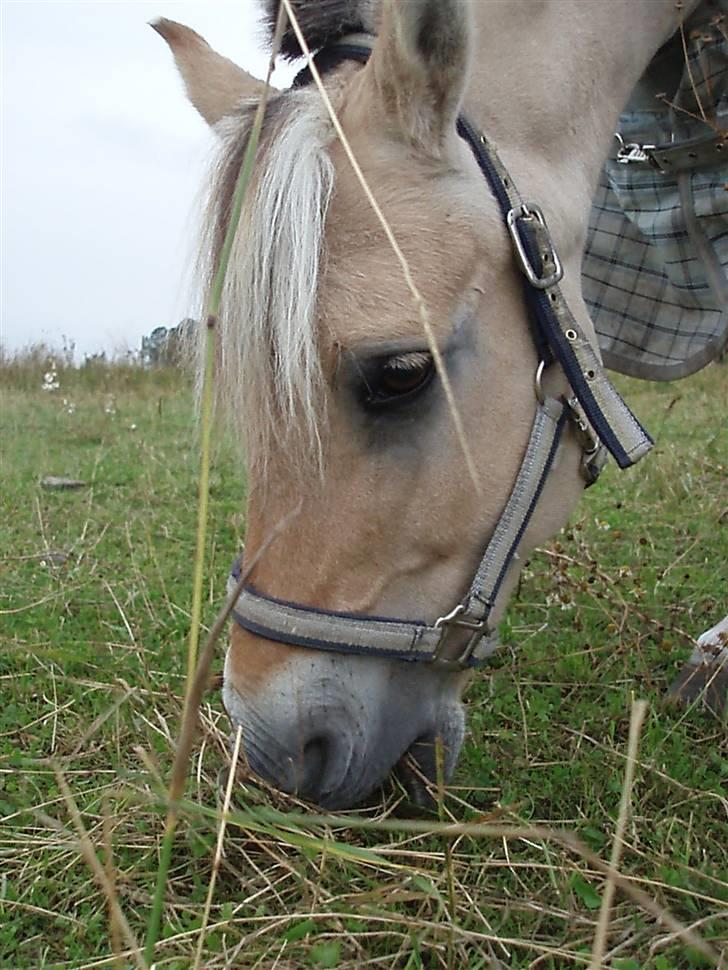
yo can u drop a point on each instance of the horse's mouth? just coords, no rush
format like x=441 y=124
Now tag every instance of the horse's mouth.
x=424 y=770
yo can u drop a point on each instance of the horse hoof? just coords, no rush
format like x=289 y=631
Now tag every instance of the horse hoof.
x=704 y=684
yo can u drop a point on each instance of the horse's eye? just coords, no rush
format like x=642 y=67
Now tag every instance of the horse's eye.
x=396 y=379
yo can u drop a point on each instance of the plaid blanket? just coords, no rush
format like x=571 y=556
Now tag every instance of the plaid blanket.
x=655 y=271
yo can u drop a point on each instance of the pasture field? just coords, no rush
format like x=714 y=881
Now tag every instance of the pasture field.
x=94 y=607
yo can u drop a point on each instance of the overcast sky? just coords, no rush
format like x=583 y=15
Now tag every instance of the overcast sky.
x=102 y=160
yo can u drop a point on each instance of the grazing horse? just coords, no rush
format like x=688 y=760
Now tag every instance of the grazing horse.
x=361 y=621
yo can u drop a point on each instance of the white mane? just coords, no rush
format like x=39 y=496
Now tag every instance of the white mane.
x=268 y=374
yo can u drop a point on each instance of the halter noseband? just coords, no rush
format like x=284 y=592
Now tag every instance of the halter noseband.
x=602 y=420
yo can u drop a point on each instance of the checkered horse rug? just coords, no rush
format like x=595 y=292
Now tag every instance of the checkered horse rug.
x=655 y=272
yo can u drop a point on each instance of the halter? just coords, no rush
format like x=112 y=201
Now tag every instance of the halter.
x=602 y=420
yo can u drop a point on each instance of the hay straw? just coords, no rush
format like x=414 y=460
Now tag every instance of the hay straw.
x=639 y=709
x=88 y=852
x=391 y=239
x=218 y=847
x=179 y=770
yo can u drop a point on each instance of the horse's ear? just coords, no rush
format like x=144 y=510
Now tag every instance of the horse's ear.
x=215 y=85
x=419 y=66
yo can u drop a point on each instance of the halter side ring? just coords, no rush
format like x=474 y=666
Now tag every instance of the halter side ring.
x=538 y=382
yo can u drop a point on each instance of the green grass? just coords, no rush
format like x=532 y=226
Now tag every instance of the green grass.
x=95 y=597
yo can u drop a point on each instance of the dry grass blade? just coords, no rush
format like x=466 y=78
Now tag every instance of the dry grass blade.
x=189 y=720
x=195 y=682
x=218 y=847
x=643 y=899
x=688 y=67
x=448 y=830
x=114 y=927
x=449 y=869
x=391 y=239
x=639 y=709
x=99 y=721
x=89 y=854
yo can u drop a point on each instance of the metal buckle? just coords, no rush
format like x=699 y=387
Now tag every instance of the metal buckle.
x=446 y=623
x=629 y=152
x=594 y=454
x=529 y=211
x=589 y=441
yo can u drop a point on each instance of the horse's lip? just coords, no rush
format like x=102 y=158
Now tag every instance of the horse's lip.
x=430 y=761
x=419 y=788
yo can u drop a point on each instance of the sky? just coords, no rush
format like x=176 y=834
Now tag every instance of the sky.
x=102 y=163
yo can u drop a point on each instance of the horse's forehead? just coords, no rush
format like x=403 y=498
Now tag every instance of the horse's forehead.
x=367 y=298
x=364 y=291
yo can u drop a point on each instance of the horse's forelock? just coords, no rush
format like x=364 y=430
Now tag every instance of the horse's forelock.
x=322 y=21
x=269 y=375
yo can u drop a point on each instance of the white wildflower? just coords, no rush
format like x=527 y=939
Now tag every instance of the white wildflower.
x=50 y=378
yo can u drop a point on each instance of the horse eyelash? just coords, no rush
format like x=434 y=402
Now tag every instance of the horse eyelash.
x=412 y=361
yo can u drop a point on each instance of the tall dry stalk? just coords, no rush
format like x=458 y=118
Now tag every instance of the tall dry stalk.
x=639 y=709
x=179 y=771
x=404 y=266
x=218 y=849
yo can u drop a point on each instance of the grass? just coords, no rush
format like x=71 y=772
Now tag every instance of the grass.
x=95 y=610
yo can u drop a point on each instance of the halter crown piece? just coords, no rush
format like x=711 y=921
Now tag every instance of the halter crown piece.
x=602 y=419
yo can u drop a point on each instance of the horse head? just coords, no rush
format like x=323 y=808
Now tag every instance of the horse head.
x=326 y=368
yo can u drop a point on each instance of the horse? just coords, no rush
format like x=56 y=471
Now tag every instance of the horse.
x=379 y=359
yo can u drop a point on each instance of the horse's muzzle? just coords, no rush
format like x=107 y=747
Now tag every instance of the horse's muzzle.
x=333 y=740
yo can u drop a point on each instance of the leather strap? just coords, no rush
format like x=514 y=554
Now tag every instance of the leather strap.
x=514 y=520
x=550 y=316
x=691 y=155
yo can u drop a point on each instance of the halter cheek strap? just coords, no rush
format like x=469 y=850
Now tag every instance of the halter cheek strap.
x=556 y=333
x=464 y=637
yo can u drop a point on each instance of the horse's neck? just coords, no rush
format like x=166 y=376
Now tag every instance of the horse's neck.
x=550 y=78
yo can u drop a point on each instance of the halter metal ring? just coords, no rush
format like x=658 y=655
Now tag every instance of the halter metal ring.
x=538 y=382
